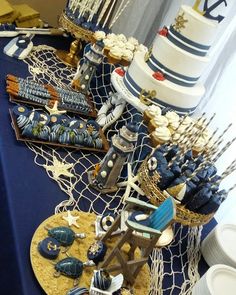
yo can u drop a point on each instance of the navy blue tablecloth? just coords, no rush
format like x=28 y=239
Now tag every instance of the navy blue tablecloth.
x=27 y=195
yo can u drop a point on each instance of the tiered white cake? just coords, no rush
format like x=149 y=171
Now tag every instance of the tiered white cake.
x=168 y=74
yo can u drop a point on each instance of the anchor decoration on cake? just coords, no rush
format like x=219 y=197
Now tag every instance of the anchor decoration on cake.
x=146 y=97
x=148 y=54
x=209 y=8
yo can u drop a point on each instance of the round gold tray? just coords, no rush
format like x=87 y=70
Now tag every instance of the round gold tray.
x=156 y=196
x=44 y=268
x=75 y=30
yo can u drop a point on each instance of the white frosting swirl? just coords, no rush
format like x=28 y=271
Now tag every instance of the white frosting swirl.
x=108 y=43
x=199 y=145
x=128 y=54
x=161 y=121
x=116 y=51
x=120 y=44
x=112 y=36
x=129 y=46
x=187 y=121
x=154 y=110
x=172 y=117
x=162 y=134
x=133 y=41
x=174 y=125
x=99 y=35
x=122 y=38
x=142 y=48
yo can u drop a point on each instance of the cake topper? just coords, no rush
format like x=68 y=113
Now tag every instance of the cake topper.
x=196 y=7
x=209 y=9
x=180 y=22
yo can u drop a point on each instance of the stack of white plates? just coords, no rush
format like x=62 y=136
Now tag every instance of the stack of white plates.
x=218 y=280
x=219 y=246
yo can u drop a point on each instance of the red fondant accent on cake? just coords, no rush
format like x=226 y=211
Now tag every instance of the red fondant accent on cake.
x=163 y=32
x=159 y=76
x=120 y=72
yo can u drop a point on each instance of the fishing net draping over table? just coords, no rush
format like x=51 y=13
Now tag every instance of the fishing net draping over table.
x=176 y=264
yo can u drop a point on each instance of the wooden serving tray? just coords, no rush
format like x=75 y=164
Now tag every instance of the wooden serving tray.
x=20 y=137
x=18 y=99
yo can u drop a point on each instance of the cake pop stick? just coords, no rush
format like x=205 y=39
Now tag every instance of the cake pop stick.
x=232 y=188
x=105 y=6
x=95 y=9
x=229 y=143
x=223 y=133
x=109 y=13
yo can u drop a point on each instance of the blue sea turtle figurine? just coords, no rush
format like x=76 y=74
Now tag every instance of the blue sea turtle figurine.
x=70 y=267
x=64 y=235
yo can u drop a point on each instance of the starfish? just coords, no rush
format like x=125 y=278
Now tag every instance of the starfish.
x=130 y=183
x=54 y=110
x=72 y=220
x=58 y=168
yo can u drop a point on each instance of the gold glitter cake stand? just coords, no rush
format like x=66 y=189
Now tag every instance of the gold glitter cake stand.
x=44 y=268
x=71 y=58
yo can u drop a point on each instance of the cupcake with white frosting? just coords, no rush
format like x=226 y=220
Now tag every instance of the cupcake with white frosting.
x=161 y=135
x=157 y=121
x=108 y=44
x=141 y=48
x=130 y=46
x=99 y=35
x=151 y=112
x=127 y=56
x=133 y=41
x=173 y=119
x=122 y=38
x=115 y=55
x=199 y=146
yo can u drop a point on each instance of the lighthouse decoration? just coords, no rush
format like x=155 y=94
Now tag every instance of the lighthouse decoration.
x=86 y=71
x=105 y=175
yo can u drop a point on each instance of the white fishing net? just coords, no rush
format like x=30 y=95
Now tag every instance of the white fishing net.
x=174 y=268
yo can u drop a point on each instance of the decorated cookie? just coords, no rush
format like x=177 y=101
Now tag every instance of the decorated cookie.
x=49 y=248
x=96 y=252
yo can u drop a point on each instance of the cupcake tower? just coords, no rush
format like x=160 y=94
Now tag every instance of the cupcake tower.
x=166 y=126
x=118 y=48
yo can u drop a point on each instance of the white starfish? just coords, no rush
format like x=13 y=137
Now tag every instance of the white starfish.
x=130 y=183
x=72 y=220
x=58 y=168
x=54 y=110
